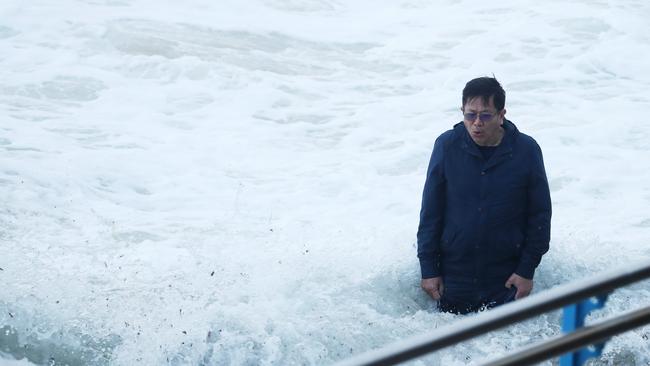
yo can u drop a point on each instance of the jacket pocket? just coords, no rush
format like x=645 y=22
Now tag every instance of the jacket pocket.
x=507 y=212
x=448 y=236
x=509 y=244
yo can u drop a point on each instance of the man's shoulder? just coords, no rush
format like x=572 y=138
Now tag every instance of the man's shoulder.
x=526 y=139
x=528 y=143
x=446 y=136
x=449 y=136
x=523 y=140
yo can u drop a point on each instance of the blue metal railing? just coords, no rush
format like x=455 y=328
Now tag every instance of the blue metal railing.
x=573 y=318
x=570 y=295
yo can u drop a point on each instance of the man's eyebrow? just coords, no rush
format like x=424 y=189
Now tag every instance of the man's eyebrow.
x=481 y=111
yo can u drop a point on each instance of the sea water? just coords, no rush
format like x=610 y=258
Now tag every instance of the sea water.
x=238 y=182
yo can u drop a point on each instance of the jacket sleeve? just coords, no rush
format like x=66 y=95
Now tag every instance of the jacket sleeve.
x=538 y=228
x=432 y=214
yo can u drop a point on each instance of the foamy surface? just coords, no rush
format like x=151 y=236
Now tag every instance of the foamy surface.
x=212 y=183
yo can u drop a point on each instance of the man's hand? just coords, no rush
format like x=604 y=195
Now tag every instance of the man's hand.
x=433 y=287
x=524 y=286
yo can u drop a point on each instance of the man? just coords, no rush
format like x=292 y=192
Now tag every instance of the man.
x=486 y=209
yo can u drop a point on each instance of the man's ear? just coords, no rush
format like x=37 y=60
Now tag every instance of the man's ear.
x=502 y=115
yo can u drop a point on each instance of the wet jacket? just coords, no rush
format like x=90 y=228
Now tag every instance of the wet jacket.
x=483 y=220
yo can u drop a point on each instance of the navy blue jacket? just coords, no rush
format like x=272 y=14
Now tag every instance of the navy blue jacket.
x=483 y=220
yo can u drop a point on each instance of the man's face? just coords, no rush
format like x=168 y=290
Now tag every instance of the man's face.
x=485 y=128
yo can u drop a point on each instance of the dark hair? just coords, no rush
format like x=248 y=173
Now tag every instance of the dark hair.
x=485 y=88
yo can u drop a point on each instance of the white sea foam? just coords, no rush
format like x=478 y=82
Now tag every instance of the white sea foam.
x=239 y=182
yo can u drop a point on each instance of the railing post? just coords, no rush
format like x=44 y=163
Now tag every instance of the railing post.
x=573 y=317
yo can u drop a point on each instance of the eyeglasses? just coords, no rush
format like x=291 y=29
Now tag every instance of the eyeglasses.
x=483 y=117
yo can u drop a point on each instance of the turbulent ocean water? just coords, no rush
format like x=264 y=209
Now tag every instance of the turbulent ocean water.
x=238 y=182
